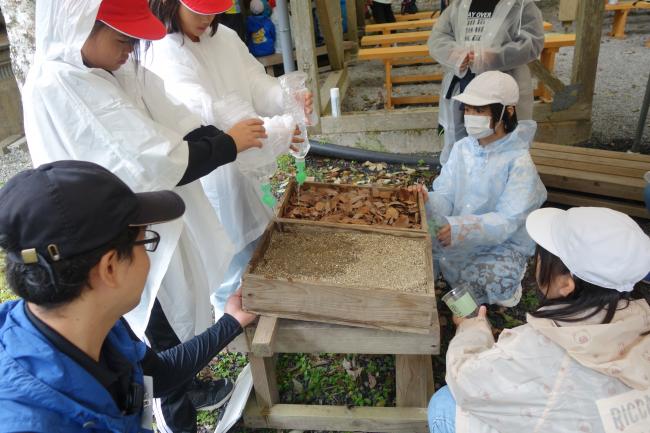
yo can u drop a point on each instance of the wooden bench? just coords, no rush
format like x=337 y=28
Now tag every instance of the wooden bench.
x=391 y=55
x=579 y=176
x=621 y=11
x=272 y=60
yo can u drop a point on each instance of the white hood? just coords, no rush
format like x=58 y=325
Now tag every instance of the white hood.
x=62 y=27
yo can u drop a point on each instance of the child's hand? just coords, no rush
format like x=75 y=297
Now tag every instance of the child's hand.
x=297 y=137
x=418 y=187
x=444 y=235
x=482 y=314
x=308 y=103
x=234 y=308
x=247 y=134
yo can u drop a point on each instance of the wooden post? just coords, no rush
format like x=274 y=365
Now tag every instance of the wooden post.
x=265 y=332
x=302 y=26
x=414 y=380
x=352 y=34
x=568 y=10
x=361 y=13
x=264 y=380
x=329 y=16
x=585 y=59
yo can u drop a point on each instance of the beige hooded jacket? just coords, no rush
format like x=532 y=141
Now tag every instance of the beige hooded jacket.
x=545 y=376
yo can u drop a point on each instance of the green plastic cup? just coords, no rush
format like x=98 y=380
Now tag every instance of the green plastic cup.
x=461 y=302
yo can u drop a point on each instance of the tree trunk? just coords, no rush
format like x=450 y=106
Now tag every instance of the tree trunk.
x=19 y=19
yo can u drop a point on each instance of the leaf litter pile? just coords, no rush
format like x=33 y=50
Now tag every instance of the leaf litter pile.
x=353 y=259
x=350 y=205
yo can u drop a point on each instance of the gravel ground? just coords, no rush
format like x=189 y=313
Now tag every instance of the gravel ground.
x=14 y=160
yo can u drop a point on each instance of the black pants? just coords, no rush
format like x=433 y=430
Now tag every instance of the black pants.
x=235 y=22
x=177 y=409
x=382 y=12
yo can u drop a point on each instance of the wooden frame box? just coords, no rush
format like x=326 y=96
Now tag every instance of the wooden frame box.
x=340 y=304
x=291 y=189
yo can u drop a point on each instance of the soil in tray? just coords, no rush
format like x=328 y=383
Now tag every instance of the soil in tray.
x=367 y=206
x=363 y=260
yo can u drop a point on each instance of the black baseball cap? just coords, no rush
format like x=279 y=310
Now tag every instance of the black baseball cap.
x=67 y=208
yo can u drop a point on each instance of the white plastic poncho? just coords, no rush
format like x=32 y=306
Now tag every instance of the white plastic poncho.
x=485 y=195
x=124 y=122
x=198 y=74
x=513 y=37
x=547 y=376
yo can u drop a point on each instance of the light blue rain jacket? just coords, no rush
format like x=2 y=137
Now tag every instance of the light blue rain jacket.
x=485 y=194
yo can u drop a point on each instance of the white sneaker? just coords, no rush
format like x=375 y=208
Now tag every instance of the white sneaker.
x=513 y=301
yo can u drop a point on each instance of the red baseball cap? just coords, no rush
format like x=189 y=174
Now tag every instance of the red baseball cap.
x=208 y=7
x=132 y=18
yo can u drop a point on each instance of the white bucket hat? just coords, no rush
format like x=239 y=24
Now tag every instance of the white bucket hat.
x=598 y=245
x=491 y=87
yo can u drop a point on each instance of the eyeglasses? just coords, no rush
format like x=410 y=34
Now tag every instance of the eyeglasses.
x=150 y=241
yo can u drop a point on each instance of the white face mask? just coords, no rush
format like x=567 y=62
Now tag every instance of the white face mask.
x=478 y=126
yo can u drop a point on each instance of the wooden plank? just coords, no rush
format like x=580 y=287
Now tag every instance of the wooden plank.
x=637 y=210
x=374 y=308
x=334 y=79
x=592 y=152
x=414 y=380
x=337 y=418
x=416 y=61
x=422 y=15
x=381 y=120
x=302 y=26
x=622 y=165
x=593 y=183
x=551 y=40
x=620 y=6
x=403 y=25
x=298 y=336
x=395 y=38
x=264 y=380
x=585 y=59
x=265 y=333
x=421 y=78
x=422 y=99
x=329 y=17
x=588 y=167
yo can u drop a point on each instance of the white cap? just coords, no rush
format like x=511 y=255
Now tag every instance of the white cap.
x=491 y=87
x=598 y=245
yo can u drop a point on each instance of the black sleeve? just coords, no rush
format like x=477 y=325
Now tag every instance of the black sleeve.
x=173 y=367
x=209 y=148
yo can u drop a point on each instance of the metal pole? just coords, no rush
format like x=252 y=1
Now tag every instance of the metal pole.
x=284 y=33
x=642 y=119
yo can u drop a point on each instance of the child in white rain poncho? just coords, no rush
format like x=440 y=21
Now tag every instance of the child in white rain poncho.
x=475 y=36
x=484 y=194
x=204 y=65
x=86 y=99
x=589 y=340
